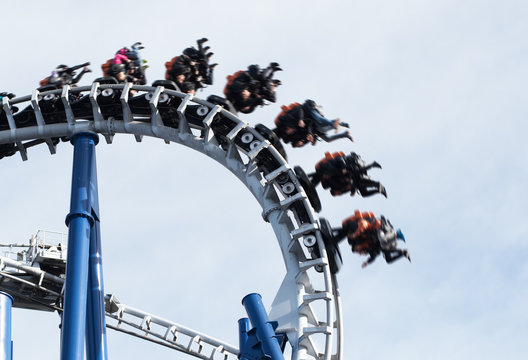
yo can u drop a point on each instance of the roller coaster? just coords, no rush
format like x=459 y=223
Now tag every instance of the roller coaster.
x=304 y=316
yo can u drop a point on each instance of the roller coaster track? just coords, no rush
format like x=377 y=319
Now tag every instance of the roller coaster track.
x=307 y=306
x=35 y=289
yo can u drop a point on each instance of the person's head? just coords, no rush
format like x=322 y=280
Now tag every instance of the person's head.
x=192 y=53
x=122 y=51
x=179 y=72
x=180 y=78
x=132 y=55
x=188 y=87
x=385 y=223
x=354 y=156
x=254 y=70
x=399 y=235
x=245 y=94
x=310 y=105
x=61 y=68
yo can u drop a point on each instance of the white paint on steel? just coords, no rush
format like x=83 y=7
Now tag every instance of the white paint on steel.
x=177 y=336
x=292 y=307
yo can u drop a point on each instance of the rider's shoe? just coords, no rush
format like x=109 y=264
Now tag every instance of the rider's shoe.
x=407 y=255
x=383 y=191
x=349 y=135
x=275 y=66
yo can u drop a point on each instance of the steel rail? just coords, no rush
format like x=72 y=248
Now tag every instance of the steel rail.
x=221 y=135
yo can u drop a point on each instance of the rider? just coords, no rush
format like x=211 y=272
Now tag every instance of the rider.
x=178 y=74
x=127 y=65
x=370 y=236
x=192 y=65
x=181 y=75
x=292 y=128
x=342 y=173
x=248 y=89
x=387 y=237
x=118 y=66
x=64 y=75
x=299 y=124
x=193 y=59
x=364 y=184
x=137 y=66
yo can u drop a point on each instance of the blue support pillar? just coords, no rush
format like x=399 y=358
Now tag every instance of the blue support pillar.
x=243 y=329
x=79 y=221
x=96 y=347
x=6 y=344
x=263 y=329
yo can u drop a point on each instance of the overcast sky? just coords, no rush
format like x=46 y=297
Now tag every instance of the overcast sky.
x=435 y=91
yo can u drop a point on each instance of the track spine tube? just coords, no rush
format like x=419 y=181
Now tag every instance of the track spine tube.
x=79 y=221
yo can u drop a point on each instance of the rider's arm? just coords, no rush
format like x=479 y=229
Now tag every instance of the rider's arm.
x=370 y=260
x=339 y=234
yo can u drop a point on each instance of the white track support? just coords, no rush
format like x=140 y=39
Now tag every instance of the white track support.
x=67 y=108
x=171 y=334
x=35 y=289
x=40 y=120
x=12 y=126
x=310 y=315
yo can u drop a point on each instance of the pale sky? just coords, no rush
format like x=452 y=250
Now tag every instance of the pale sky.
x=434 y=91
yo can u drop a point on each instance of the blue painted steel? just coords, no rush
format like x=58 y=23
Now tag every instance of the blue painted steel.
x=96 y=346
x=243 y=328
x=264 y=329
x=6 y=344
x=79 y=221
x=250 y=345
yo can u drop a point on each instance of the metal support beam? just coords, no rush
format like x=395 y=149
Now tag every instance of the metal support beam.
x=96 y=346
x=80 y=220
x=6 y=344
x=262 y=327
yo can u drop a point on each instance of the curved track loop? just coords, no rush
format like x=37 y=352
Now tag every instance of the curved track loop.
x=307 y=306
